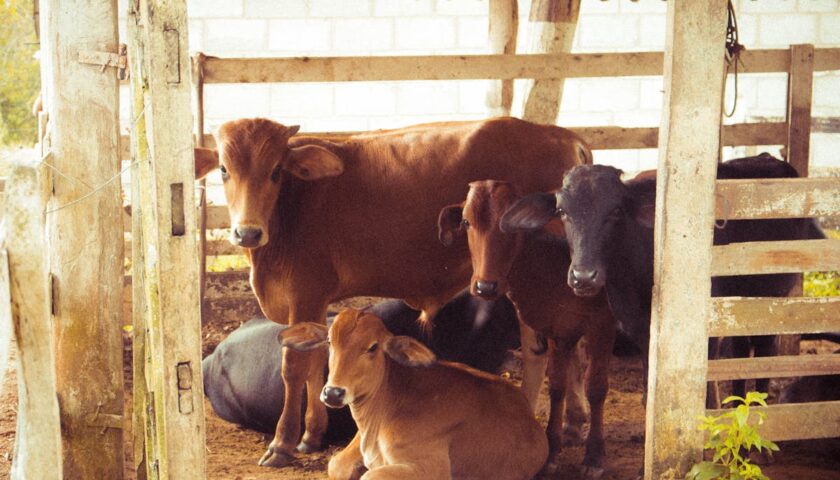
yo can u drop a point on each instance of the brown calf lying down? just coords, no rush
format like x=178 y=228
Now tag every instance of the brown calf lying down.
x=527 y=269
x=324 y=220
x=419 y=417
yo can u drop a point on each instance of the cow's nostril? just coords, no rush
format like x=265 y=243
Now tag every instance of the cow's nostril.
x=247 y=237
x=486 y=287
x=584 y=275
x=333 y=396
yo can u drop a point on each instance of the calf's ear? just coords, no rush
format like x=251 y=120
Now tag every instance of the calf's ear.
x=529 y=213
x=206 y=160
x=311 y=162
x=304 y=336
x=449 y=223
x=409 y=352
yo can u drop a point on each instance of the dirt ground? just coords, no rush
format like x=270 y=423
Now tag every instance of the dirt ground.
x=232 y=451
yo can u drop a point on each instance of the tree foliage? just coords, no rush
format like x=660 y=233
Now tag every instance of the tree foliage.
x=20 y=79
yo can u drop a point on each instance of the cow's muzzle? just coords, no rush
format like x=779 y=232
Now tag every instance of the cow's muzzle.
x=248 y=237
x=585 y=282
x=333 y=397
x=487 y=288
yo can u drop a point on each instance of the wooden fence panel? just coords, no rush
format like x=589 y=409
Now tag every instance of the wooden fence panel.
x=797 y=421
x=750 y=258
x=777 y=198
x=773 y=367
x=732 y=316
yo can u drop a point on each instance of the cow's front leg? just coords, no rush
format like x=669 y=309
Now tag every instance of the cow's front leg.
x=558 y=366
x=576 y=411
x=316 y=413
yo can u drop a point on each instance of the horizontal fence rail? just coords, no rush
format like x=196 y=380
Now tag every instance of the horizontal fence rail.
x=752 y=258
x=775 y=367
x=797 y=421
x=739 y=316
x=477 y=67
x=777 y=198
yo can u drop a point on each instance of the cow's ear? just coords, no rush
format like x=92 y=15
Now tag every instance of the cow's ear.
x=206 y=160
x=292 y=129
x=409 y=352
x=449 y=223
x=311 y=162
x=304 y=336
x=529 y=213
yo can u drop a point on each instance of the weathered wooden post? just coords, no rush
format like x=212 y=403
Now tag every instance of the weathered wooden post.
x=689 y=146
x=38 y=449
x=79 y=45
x=503 y=23
x=175 y=423
x=553 y=24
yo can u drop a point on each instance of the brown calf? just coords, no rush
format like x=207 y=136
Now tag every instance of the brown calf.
x=528 y=270
x=418 y=417
x=323 y=220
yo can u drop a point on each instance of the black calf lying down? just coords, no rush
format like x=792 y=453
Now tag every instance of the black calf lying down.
x=242 y=376
x=609 y=228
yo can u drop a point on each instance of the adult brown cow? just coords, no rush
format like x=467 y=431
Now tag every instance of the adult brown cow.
x=419 y=417
x=323 y=220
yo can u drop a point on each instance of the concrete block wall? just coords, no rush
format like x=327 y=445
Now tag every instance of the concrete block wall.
x=236 y=28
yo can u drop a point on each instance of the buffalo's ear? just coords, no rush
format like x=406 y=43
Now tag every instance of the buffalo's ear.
x=409 y=352
x=529 y=213
x=449 y=223
x=206 y=160
x=304 y=336
x=311 y=162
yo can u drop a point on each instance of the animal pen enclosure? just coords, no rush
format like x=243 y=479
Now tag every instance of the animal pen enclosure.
x=165 y=285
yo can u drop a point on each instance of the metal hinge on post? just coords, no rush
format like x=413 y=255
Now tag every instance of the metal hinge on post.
x=108 y=59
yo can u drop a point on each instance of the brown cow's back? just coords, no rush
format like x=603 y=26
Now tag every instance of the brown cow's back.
x=486 y=422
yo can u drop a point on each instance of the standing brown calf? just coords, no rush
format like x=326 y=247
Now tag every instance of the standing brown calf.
x=419 y=418
x=524 y=267
x=322 y=221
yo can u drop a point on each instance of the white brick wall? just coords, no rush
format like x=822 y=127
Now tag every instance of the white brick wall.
x=397 y=27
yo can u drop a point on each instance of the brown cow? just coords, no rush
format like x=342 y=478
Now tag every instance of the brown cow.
x=528 y=270
x=419 y=417
x=323 y=220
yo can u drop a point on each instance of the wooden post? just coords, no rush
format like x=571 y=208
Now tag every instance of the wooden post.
x=38 y=444
x=198 y=115
x=689 y=145
x=166 y=197
x=84 y=221
x=139 y=353
x=799 y=94
x=555 y=22
x=504 y=22
x=6 y=329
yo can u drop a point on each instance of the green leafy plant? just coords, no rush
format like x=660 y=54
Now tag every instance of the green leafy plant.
x=731 y=437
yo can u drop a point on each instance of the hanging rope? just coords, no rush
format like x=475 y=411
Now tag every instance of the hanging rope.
x=733 y=52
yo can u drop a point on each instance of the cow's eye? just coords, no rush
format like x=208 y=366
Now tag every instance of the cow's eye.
x=372 y=348
x=560 y=213
x=275 y=174
x=465 y=223
x=224 y=172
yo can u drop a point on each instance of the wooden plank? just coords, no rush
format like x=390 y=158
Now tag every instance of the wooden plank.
x=800 y=89
x=777 y=198
x=39 y=424
x=85 y=239
x=736 y=316
x=798 y=421
x=171 y=271
x=618 y=138
x=553 y=26
x=503 y=21
x=141 y=398
x=474 y=67
x=773 y=367
x=6 y=327
x=752 y=258
x=689 y=140
x=198 y=117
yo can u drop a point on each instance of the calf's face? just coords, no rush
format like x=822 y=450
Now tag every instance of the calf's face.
x=491 y=250
x=253 y=156
x=360 y=350
x=591 y=203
